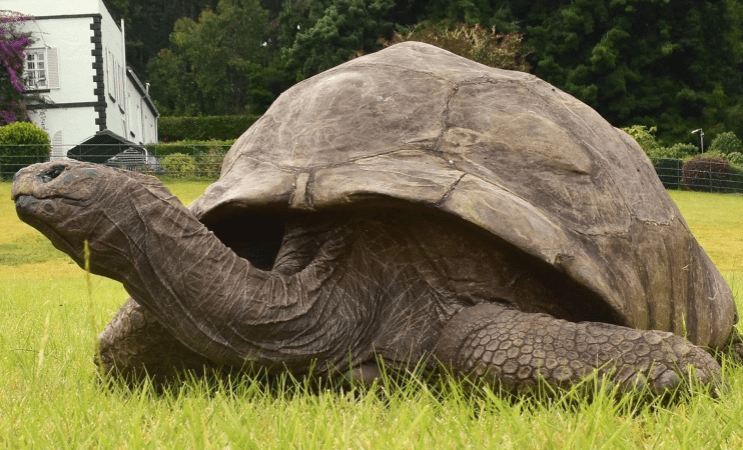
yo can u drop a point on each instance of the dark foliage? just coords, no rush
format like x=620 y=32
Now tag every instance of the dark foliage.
x=677 y=65
x=669 y=172
x=203 y=128
x=472 y=42
x=707 y=174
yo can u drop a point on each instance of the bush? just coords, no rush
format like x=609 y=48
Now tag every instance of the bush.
x=669 y=172
x=178 y=165
x=732 y=158
x=209 y=161
x=471 y=41
x=644 y=136
x=21 y=144
x=676 y=151
x=203 y=128
x=726 y=143
x=735 y=158
x=706 y=173
x=736 y=180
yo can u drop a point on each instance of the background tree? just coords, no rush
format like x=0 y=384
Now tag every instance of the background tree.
x=673 y=65
x=218 y=65
x=473 y=42
x=321 y=34
x=149 y=24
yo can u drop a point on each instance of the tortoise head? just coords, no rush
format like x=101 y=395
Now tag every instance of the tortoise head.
x=71 y=202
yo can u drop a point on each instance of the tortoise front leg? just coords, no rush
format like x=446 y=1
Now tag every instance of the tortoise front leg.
x=135 y=345
x=515 y=349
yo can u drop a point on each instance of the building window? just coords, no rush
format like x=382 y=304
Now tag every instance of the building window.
x=111 y=76
x=41 y=69
x=36 y=69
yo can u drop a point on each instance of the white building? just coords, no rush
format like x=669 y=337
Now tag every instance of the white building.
x=78 y=62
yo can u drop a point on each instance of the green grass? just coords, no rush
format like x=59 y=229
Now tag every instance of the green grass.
x=717 y=222
x=50 y=396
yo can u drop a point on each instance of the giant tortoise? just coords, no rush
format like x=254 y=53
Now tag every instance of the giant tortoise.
x=406 y=207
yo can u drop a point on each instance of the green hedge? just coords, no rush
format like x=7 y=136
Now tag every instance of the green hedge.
x=203 y=128
x=21 y=144
x=192 y=148
x=205 y=157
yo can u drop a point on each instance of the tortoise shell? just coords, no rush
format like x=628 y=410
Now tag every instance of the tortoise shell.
x=505 y=151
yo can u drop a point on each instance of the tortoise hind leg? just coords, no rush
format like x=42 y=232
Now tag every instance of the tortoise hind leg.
x=516 y=349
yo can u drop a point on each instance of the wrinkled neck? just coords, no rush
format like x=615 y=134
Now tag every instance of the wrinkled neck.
x=180 y=271
x=214 y=301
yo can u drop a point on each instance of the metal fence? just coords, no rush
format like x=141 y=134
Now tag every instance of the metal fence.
x=203 y=162
x=707 y=179
x=183 y=161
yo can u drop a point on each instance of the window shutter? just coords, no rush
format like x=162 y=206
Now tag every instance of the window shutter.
x=58 y=150
x=52 y=62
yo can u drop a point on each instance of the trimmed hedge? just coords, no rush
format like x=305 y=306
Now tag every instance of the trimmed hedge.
x=203 y=128
x=21 y=144
x=707 y=173
x=192 y=148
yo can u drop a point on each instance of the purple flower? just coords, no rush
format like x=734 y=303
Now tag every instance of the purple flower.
x=12 y=44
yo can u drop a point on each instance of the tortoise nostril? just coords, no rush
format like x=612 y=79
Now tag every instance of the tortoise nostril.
x=51 y=174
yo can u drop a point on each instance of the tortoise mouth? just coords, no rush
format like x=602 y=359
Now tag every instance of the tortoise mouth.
x=27 y=207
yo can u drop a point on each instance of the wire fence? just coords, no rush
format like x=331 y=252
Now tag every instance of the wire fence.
x=183 y=161
x=203 y=162
x=710 y=177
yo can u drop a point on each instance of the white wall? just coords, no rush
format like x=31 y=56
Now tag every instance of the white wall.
x=66 y=127
x=70 y=37
x=114 y=67
x=52 y=7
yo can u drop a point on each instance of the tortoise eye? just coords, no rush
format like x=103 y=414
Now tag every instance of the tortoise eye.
x=51 y=174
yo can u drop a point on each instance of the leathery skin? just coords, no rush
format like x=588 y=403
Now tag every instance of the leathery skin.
x=516 y=350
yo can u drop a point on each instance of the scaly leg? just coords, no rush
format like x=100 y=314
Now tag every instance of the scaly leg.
x=516 y=349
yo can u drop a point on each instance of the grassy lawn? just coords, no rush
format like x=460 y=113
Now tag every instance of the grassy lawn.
x=50 y=396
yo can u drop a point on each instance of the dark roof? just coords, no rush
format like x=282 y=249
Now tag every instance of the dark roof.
x=100 y=147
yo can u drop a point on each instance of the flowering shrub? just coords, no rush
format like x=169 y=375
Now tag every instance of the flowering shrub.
x=12 y=44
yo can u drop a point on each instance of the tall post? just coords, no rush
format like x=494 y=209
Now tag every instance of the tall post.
x=701 y=136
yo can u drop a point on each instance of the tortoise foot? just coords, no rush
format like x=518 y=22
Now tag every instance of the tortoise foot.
x=135 y=346
x=516 y=350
